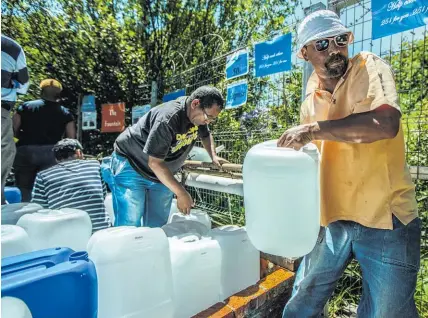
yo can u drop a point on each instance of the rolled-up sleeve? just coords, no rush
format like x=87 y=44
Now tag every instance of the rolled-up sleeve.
x=382 y=89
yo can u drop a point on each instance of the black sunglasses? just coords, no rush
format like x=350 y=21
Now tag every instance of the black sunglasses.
x=341 y=40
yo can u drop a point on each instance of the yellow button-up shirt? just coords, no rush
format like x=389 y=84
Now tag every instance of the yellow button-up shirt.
x=365 y=183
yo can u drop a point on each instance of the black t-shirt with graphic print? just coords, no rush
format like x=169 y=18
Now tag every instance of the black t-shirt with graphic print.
x=165 y=132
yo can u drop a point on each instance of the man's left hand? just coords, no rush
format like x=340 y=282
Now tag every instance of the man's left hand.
x=298 y=136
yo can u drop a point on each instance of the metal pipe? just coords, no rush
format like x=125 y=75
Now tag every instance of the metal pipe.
x=215 y=183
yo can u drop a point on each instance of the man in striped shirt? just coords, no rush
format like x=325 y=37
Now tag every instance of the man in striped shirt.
x=73 y=183
x=14 y=80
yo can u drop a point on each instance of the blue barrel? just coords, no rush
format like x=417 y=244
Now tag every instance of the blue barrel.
x=12 y=194
x=53 y=283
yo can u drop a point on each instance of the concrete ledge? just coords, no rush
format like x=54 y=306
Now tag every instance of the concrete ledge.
x=287 y=263
x=264 y=299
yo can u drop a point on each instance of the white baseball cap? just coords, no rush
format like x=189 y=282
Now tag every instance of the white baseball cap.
x=319 y=25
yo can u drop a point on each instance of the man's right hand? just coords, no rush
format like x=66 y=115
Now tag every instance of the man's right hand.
x=185 y=202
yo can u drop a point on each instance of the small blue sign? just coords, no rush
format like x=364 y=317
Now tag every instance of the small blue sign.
x=88 y=103
x=237 y=94
x=138 y=112
x=273 y=56
x=237 y=64
x=390 y=17
x=174 y=95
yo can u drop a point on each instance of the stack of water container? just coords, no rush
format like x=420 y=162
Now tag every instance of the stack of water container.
x=42 y=276
x=208 y=266
x=176 y=271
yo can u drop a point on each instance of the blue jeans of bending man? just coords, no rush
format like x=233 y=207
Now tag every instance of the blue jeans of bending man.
x=389 y=260
x=137 y=201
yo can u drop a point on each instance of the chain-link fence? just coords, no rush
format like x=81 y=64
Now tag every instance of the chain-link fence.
x=273 y=104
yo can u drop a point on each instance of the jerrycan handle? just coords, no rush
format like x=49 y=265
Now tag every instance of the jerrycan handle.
x=186 y=238
x=229 y=227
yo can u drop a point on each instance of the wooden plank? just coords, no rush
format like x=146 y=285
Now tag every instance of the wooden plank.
x=225 y=167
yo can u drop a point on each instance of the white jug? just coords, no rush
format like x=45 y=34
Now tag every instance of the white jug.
x=108 y=204
x=195 y=215
x=12 y=307
x=281 y=196
x=181 y=227
x=14 y=241
x=58 y=228
x=240 y=265
x=11 y=213
x=134 y=272
x=195 y=265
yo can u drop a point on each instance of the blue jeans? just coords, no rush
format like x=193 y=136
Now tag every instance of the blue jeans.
x=137 y=201
x=389 y=261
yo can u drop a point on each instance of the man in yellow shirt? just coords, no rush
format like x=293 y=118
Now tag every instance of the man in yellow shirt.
x=368 y=205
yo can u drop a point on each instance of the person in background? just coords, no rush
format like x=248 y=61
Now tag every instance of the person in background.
x=14 y=80
x=149 y=153
x=368 y=205
x=39 y=125
x=73 y=183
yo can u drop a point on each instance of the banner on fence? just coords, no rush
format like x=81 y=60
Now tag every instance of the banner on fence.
x=138 y=112
x=174 y=95
x=113 y=117
x=273 y=56
x=237 y=64
x=89 y=120
x=88 y=104
x=390 y=17
x=236 y=94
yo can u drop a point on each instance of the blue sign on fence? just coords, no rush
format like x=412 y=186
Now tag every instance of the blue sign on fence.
x=236 y=94
x=138 y=112
x=237 y=64
x=174 y=95
x=394 y=16
x=273 y=56
x=88 y=103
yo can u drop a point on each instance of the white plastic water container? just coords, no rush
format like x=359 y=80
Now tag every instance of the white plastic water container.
x=240 y=266
x=58 y=228
x=196 y=264
x=14 y=241
x=200 y=154
x=181 y=227
x=12 y=307
x=195 y=215
x=11 y=213
x=108 y=204
x=281 y=197
x=134 y=272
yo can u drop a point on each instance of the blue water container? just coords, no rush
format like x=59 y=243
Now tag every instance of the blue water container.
x=12 y=194
x=54 y=283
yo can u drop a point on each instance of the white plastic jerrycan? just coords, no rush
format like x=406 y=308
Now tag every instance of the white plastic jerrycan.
x=195 y=215
x=281 y=197
x=11 y=213
x=12 y=307
x=58 y=228
x=195 y=265
x=240 y=266
x=134 y=272
x=108 y=204
x=14 y=241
